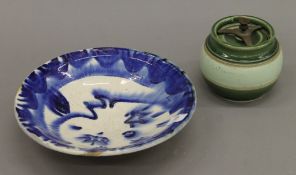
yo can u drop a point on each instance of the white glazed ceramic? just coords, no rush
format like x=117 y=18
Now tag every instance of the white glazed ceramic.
x=104 y=101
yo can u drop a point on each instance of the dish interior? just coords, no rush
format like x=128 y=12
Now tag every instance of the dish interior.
x=107 y=100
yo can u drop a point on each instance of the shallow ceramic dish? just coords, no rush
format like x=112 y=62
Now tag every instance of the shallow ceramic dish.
x=104 y=101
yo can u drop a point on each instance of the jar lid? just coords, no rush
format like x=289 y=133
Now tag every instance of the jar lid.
x=242 y=39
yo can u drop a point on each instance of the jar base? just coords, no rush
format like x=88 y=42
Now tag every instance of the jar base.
x=238 y=95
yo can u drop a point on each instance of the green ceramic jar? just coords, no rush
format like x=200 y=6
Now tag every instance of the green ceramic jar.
x=241 y=58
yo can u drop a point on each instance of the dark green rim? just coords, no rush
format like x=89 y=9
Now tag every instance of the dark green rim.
x=242 y=54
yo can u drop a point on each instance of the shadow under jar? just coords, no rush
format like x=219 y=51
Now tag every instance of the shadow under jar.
x=241 y=58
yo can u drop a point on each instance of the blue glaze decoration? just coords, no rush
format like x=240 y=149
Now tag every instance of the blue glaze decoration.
x=57 y=102
x=130 y=134
x=28 y=98
x=74 y=127
x=90 y=106
x=162 y=124
x=155 y=115
x=138 y=116
x=40 y=91
x=94 y=139
x=36 y=83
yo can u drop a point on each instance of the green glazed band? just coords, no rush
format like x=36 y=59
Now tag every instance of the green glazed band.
x=238 y=95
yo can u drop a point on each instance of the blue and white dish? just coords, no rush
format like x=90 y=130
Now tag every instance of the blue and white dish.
x=104 y=101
